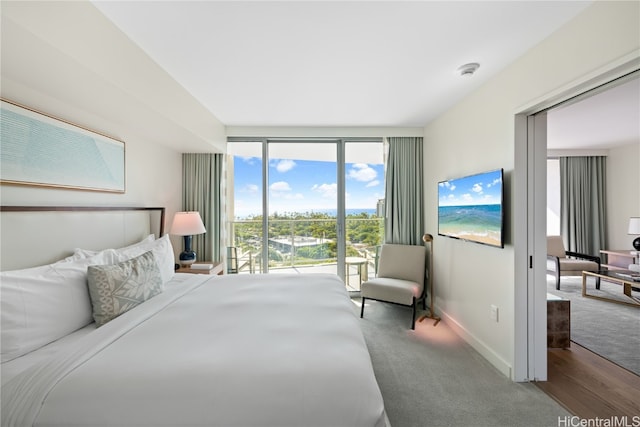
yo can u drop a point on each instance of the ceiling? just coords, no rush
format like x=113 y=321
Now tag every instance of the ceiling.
x=607 y=119
x=358 y=63
x=334 y=63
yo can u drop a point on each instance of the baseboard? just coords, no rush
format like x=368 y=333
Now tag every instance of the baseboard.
x=485 y=351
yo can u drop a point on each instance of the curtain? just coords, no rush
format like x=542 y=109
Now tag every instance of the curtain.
x=404 y=195
x=202 y=191
x=583 y=203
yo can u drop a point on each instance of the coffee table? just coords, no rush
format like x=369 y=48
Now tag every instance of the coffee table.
x=621 y=277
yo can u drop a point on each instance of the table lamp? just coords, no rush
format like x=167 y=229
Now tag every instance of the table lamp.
x=187 y=224
x=634 y=229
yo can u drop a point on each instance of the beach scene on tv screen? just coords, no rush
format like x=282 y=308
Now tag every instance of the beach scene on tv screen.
x=470 y=208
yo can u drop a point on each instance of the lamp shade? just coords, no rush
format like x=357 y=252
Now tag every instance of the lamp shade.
x=187 y=224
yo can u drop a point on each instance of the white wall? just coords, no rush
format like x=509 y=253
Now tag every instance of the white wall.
x=71 y=51
x=67 y=60
x=623 y=193
x=478 y=134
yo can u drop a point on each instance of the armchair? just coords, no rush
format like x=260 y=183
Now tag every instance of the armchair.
x=400 y=278
x=567 y=263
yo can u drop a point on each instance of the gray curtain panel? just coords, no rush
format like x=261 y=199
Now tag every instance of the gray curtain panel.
x=583 y=219
x=404 y=219
x=202 y=177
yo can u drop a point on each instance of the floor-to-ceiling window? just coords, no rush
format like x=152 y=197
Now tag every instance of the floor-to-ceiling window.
x=321 y=202
x=364 y=208
x=303 y=205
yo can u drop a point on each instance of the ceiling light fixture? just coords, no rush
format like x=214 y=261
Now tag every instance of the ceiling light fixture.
x=467 y=70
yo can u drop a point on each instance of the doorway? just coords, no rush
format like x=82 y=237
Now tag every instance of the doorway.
x=530 y=222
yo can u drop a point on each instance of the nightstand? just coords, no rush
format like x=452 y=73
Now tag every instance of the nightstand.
x=218 y=269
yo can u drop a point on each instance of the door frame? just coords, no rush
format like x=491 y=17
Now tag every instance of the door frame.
x=529 y=196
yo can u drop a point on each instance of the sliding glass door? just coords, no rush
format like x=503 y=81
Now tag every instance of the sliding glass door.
x=321 y=202
x=364 y=209
x=302 y=206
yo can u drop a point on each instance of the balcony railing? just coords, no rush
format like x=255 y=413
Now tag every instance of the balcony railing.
x=297 y=243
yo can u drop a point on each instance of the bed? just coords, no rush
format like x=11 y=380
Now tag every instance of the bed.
x=236 y=350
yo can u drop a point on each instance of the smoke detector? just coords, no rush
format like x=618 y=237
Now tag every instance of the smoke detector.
x=467 y=70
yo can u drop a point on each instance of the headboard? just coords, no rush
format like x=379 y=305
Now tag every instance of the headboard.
x=38 y=235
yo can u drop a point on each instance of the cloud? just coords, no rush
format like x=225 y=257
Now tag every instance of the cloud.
x=250 y=160
x=477 y=188
x=362 y=172
x=373 y=183
x=282 y=190
x=495 y=181
x=250 y=188
x=447 y=185
x=285 y=165
x=280 y=186
x=326 y=190
x=467 y=197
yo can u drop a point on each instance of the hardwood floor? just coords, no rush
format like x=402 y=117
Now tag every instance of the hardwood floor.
x=590 y=386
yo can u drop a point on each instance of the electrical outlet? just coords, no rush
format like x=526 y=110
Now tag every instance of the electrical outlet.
x=493 y=313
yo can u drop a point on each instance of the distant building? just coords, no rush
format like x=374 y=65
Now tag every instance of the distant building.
x=380 y=208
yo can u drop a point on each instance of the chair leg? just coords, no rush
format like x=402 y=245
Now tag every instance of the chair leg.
x=413 y=315
x=598 y=283
x=362 y=308
x=557 y=280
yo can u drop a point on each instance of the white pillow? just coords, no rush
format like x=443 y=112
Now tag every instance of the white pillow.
x=79 y=253
x=163 y=252
x=42 y=304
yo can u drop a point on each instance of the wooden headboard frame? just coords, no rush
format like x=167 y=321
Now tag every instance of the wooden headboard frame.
x=38 y=235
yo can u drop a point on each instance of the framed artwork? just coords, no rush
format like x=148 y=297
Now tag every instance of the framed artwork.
x=40 y=150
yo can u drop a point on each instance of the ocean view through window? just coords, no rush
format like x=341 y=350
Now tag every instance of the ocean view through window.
x=310 y=221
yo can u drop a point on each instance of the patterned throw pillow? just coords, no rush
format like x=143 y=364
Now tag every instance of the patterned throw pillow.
x=117 y=288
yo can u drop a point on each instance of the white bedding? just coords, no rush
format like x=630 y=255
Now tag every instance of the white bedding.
x=241 y=350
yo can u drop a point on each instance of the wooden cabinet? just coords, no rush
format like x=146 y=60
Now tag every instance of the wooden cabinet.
x=558 y=322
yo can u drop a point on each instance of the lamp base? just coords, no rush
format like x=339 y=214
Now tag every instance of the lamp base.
x=636 y=243
x=187 y=258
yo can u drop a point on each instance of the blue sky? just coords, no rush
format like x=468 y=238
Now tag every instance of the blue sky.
x=481 y=189
x=304 y=185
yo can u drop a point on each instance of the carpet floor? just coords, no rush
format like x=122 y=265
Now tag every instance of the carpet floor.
x=431 y=377
x=609 y=329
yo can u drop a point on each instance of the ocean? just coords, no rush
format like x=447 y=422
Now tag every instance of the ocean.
x=334 y=212
x=331 y=212
x=482 y=223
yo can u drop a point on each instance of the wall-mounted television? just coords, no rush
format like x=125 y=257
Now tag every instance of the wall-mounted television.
x=471 y=208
